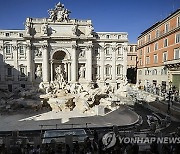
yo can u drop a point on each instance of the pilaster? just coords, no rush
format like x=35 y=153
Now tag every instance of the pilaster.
x=89 y=63
x=2 y=71
x=16 y=70
x=45 y=65
x=74 y=64
x=29 y=61
x=113 y=64
x=102 y=64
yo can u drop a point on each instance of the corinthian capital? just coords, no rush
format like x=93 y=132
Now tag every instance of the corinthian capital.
x=90 y=46
x=114 y=49
x=74 y=46
x=45 y=46
x=28 y=46
x=14 y=47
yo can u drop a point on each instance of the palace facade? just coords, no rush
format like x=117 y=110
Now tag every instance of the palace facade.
x=58 y=44
x=159 y=54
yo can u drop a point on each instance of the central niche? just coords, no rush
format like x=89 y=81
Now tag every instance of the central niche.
x=60 y=55
x=60 y=68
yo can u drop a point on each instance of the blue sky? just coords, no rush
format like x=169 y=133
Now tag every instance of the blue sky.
x=132 y=16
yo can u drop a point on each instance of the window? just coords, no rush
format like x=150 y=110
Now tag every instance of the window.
x=164 y=71
x=96 y=51
x=8 y=49
x=140 y=52
x=148 y=49
x=140 y=72
x=165 y=42
x=157 y=33
x=119 y=69
x=178 y=21
x=20 y=35
x=23 y=85
x=107 y=36
x=149 y=37
x=119 y=36
x=107 y=51
x=154 y=72
x=7 y=34
x=156 y=46
x=21 y=49
x=9 y=71
x=155 y=58
x=120 y=51
x=131 y=49
x=108 y=70
x=177 y=53
x=165 y=58
x=178 y=38
x=147 y=60
x=131 y=57
x=22 y=71
x=166 y=28
x=140 y=62
x=10 y=87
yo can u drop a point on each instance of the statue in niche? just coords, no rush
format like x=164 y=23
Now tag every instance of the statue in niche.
x=59 y=77
x=39 y=72
x=82 y=72
x=44 y=28
x=27 y=27
x=82 y=54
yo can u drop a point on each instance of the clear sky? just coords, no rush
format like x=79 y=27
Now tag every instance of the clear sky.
x=132 y=16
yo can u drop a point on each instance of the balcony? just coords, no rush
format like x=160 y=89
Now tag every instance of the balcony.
x=172 y=64
x=22 y=78
x=9 y=77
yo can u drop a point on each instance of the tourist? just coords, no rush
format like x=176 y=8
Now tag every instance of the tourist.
x=95 y=135
x=76 y=148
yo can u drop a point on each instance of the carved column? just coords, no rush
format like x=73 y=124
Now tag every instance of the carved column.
x=51 y=71
x=89 y=63
x=114 y=64
x=29 y=62
x=102 y=64
x=74 y=64
x=125 y=49
x=45 y=63
x=16 y=68
x=2 y=69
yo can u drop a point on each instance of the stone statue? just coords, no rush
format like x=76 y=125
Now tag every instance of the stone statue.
x=89 y=30
x=39 y=72
x=28 y=28
x=81 y=54
x=74 y=29
x=82 y=72
x=52 y=15
x=44 y=28
x=59 y=13
x=59 y=77
x=66 y=14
